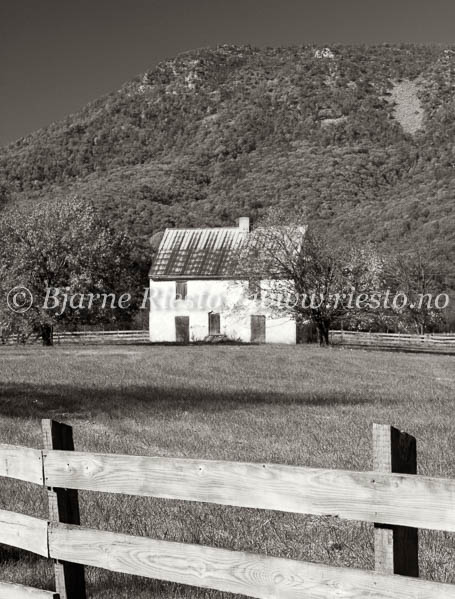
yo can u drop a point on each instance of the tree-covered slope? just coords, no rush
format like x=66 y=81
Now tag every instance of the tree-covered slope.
x=364 y=136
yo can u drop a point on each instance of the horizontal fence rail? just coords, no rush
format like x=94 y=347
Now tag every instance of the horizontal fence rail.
x=23 y=532
x=18 y=591
x=231 y=571
x=397 y=503
x=21 y=463
x=224 y=570
x=407 y=500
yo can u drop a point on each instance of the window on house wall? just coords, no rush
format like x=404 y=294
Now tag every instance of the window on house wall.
x=181 y=289
x=254 y=289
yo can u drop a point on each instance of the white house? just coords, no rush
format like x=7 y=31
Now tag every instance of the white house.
x=195 y=292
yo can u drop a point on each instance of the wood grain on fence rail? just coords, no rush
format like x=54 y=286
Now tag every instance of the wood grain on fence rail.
x=23 y=532
x=407 y=500
x=21 y=463
x=18 y=591
x=232 y=571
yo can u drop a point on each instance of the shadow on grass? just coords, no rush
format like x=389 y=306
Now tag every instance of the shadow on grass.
x=15 y=555
x=20 y=560
x=40 y=401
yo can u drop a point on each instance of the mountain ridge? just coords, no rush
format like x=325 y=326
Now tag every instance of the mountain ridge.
x=214 y=134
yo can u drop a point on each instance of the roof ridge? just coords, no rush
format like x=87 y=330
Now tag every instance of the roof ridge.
x=233 y=227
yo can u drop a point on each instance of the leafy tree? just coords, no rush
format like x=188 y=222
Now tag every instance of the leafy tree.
x=308 y=275
x=60 y=252
x=414 y=275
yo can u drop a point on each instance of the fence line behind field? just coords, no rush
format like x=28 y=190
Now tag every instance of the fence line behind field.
x=437 y=343
x=393 y=496
x=83 y=337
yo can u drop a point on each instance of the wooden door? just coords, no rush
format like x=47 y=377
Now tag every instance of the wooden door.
x=214 y=324
x=182 y=329
x=257 y=329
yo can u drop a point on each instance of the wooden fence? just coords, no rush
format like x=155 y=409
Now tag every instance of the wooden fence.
x=83 y=337
x=442 y=343
x=90 y=337
x=392 y=496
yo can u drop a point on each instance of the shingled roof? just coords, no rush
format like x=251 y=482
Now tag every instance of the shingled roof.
x=199 y=253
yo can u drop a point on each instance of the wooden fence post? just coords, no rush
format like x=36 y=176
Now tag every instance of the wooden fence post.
x=64 y=507
x=395 y=547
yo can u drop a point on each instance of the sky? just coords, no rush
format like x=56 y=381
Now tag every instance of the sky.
x=57 y=55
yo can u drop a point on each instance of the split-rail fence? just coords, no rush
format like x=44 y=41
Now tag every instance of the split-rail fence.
x=81 y=338
x=431 y=343
x=392 y=496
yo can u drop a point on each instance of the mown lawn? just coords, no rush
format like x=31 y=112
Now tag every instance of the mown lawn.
x=294 y=405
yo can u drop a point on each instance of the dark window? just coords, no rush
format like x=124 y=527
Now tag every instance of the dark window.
x=180 y=290
x=214 y=324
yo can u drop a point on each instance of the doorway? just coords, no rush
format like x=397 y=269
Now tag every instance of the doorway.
x=257 y=329
x=214 y=324
x=182 y=329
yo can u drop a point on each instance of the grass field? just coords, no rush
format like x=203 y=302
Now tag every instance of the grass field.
x=295 y=405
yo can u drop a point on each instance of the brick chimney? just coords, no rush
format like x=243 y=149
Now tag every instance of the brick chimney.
x=244 y=223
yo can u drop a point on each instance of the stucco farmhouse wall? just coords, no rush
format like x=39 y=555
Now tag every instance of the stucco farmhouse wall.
x=228 y=298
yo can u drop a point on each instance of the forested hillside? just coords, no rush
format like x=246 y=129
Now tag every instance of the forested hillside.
x=364 y=136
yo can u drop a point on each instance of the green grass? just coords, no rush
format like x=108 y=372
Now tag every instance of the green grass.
x=294 y=405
